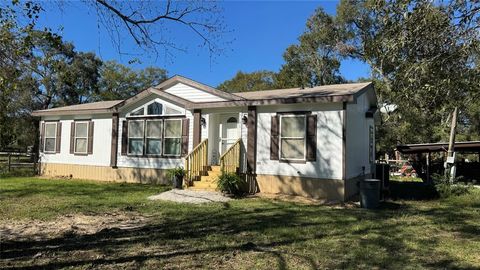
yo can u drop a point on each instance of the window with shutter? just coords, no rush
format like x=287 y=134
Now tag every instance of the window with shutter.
x=293 y=137
x=155 y=137
x=50 y=140
x=80 y=137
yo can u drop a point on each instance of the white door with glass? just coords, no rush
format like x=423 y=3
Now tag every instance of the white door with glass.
x=229 y=133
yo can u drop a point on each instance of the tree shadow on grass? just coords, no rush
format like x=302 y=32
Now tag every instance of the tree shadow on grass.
x=318 y=236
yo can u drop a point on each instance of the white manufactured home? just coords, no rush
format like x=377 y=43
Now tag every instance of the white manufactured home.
x=316 y=142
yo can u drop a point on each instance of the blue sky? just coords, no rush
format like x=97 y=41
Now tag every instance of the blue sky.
x=259 y=34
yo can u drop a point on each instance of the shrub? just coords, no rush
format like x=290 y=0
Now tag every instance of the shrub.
x=446 y=189
x=174 y=172
x=231 y=183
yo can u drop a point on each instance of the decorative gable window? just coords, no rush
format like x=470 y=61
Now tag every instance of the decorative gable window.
x=292 y=137
x=138 y=112
x=170 y=110
x=155 y=109
x=50 y=137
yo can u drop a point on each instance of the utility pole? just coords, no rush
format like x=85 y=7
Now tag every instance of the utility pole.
x=451 y=146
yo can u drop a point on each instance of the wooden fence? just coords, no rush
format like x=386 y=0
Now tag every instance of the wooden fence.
x=17 y=159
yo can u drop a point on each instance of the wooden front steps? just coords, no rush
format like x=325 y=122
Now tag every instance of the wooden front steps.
x=209 y=181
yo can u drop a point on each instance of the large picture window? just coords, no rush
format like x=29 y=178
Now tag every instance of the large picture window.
x=155 y=137
x=81 y=137
x=50 y=137
x=173 y=137
x=292 y=137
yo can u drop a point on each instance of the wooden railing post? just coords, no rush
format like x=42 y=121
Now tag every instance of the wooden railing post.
x=196 y=161
x=9 y=161
x=230 y=160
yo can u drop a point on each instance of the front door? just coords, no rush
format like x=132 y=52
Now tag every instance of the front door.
x=228 y=132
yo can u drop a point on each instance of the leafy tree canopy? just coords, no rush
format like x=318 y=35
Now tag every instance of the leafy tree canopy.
x=254 y=81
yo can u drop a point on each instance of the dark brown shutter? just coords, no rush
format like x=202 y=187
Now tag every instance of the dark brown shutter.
x=311 y=138
x=90 y=137
x=72 y=137
x=42 y=137
x=124 y=137
x=58 y=139
x=274 y=138
x=185 y=127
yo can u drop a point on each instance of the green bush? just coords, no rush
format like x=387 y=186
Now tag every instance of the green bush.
x=446 y=189
x=231 y=183
x=177 y=171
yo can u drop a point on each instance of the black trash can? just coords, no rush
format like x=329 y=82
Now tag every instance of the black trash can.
x=178 y=181
x=370 y=193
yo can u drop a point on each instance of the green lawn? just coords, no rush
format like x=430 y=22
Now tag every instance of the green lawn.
x=250 y=233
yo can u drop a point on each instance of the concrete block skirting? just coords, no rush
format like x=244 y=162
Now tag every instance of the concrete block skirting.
x=322 y=189
x=104 y=173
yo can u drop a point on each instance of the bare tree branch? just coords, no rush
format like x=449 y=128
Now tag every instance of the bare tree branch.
x=146 y=24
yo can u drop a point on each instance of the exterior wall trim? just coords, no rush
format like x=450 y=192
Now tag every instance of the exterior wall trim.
x=197 y=127
x=114 y=147
x=252 y=140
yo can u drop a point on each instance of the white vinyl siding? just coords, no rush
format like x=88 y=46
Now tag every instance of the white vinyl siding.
x=102 y=142
x=192 y=94
x=328 y=163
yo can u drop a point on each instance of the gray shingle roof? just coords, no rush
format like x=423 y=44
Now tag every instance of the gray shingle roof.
x=93 y=106
x=324 y=90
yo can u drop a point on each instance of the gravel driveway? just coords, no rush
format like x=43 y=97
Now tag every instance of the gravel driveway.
x=190 y=196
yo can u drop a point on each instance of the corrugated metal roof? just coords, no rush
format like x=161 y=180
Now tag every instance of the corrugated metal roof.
x=472 y=146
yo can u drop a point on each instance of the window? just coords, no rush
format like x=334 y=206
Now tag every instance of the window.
x=169 y=110
x=292 y=137
x=154 y=109
x=154 y=137
x=50 y=137
x=138 y=112
x=173 y=137
x=232 y=120
x=81 y=137
x=135 y=137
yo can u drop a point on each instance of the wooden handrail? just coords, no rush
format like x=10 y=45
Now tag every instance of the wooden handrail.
x=196 y=162
x=230 y=160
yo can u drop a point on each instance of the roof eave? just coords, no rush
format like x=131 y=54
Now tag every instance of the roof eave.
x=274 y=101
x=71 y=112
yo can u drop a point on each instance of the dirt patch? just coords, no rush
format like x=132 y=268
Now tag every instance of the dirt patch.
x=75 y=224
